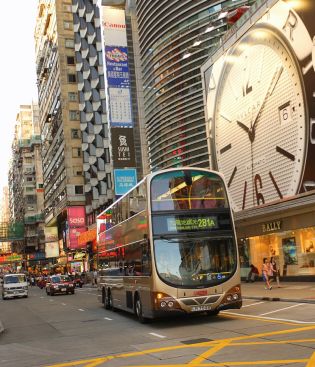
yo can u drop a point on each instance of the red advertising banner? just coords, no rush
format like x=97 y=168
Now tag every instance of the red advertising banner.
x=77 y=225
x=76 y=216
x=74 y=234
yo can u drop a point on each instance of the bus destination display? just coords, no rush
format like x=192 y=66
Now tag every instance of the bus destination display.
x=190 y=224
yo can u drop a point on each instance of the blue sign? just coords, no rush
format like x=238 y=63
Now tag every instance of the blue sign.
x=118 y=82
x=125 y=179
x=117 y=66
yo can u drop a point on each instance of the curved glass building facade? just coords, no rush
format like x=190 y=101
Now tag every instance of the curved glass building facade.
x=175 y=39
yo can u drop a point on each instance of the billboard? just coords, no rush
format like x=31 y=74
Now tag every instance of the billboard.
x=116 y=67
x=123 y=149
x=73 y=237
x=125 y=179
x=76 y=216
x=261 y=138
x=51 y=249
x=51 y=234
x=76 y=225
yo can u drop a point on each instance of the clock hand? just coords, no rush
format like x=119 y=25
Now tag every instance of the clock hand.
x=270 y=89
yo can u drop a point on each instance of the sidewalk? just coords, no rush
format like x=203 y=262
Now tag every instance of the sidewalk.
x=288 y=291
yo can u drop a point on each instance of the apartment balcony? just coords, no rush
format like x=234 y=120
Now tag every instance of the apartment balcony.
x=31 y=219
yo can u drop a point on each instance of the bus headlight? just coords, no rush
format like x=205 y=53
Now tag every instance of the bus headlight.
x=170 y=304
x=163 y=304
x=235 y=296
x=229 y=298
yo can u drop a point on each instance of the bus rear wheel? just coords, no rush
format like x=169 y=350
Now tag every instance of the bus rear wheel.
x=139 y=310
x=106 y=299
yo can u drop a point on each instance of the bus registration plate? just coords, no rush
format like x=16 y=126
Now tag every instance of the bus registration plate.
x=201 y=308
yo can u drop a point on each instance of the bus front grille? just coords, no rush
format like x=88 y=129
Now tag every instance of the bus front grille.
x=199 y=300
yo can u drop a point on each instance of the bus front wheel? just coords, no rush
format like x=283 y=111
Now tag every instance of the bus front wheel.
x=212 y=313
x=139 y=310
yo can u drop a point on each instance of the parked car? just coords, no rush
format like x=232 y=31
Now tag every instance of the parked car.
x=14 y=285
x=77 y=280
x=59 y=284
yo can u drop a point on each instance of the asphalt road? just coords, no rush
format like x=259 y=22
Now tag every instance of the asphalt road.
x=74 y=330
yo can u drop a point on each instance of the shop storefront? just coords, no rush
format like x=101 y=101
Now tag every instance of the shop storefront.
x=285 y=231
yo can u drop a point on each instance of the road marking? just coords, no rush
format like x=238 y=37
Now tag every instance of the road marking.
x=311 y=362
x=80 y=309
x=281 y=309
x=64 y=304
x=107 y=318
x=253 y=304
x=270 y=319
x=42 y=297
x=204 y=356
x=199 y=345
x=158 y=335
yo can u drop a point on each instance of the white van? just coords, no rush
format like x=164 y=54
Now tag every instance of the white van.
x=14 y=285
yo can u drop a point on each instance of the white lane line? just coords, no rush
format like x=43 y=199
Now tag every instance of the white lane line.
x=41 y=297
x=80 y=309
x=64 y=304
x=268 y=318
x=281 y=309
x=254 y=304
x=107 y=318
x=158 y=335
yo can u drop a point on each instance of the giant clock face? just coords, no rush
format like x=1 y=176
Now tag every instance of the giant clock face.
x=259 y=120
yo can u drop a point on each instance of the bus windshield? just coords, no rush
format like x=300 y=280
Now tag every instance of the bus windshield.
x=186 y=190
x=195 y=262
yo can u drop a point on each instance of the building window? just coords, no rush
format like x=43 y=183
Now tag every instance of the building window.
x=77 y=171
x=72 y=78
x=67 y=8
x=75 y=134
x=73 y=96
x=76 y=152
x=78 y=190
x=29 y=179
x=107 y=155
x=74 y=115
x=70 y=60
x=67 y=25
x=69 y=43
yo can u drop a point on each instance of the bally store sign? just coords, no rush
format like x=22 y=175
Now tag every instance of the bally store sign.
x=271 y=226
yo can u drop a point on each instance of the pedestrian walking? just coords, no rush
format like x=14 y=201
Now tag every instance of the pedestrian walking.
x=275 y=271
x=95 y=277
x=265 y=271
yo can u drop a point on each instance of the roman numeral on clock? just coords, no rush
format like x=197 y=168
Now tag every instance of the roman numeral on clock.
x=226 y=148
x=244 y=195
x=232 y=176
x=275 y=185
x=285 y=153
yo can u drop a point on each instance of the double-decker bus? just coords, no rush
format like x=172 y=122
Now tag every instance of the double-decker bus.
x=169 y=245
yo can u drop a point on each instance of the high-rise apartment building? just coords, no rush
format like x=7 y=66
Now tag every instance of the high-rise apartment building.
x=59 y=113
x=175 y=39
x=97 y=168
x=97 y=140
x=5 y=247
x=26 y=182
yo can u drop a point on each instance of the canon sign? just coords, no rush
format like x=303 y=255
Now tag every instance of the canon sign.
x=110 y=25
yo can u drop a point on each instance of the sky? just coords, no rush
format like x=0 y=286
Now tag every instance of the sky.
x=17 y=65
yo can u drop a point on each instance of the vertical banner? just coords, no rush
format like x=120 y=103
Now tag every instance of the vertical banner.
x=123 y=149
x=116 y=65
x=76 y=224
